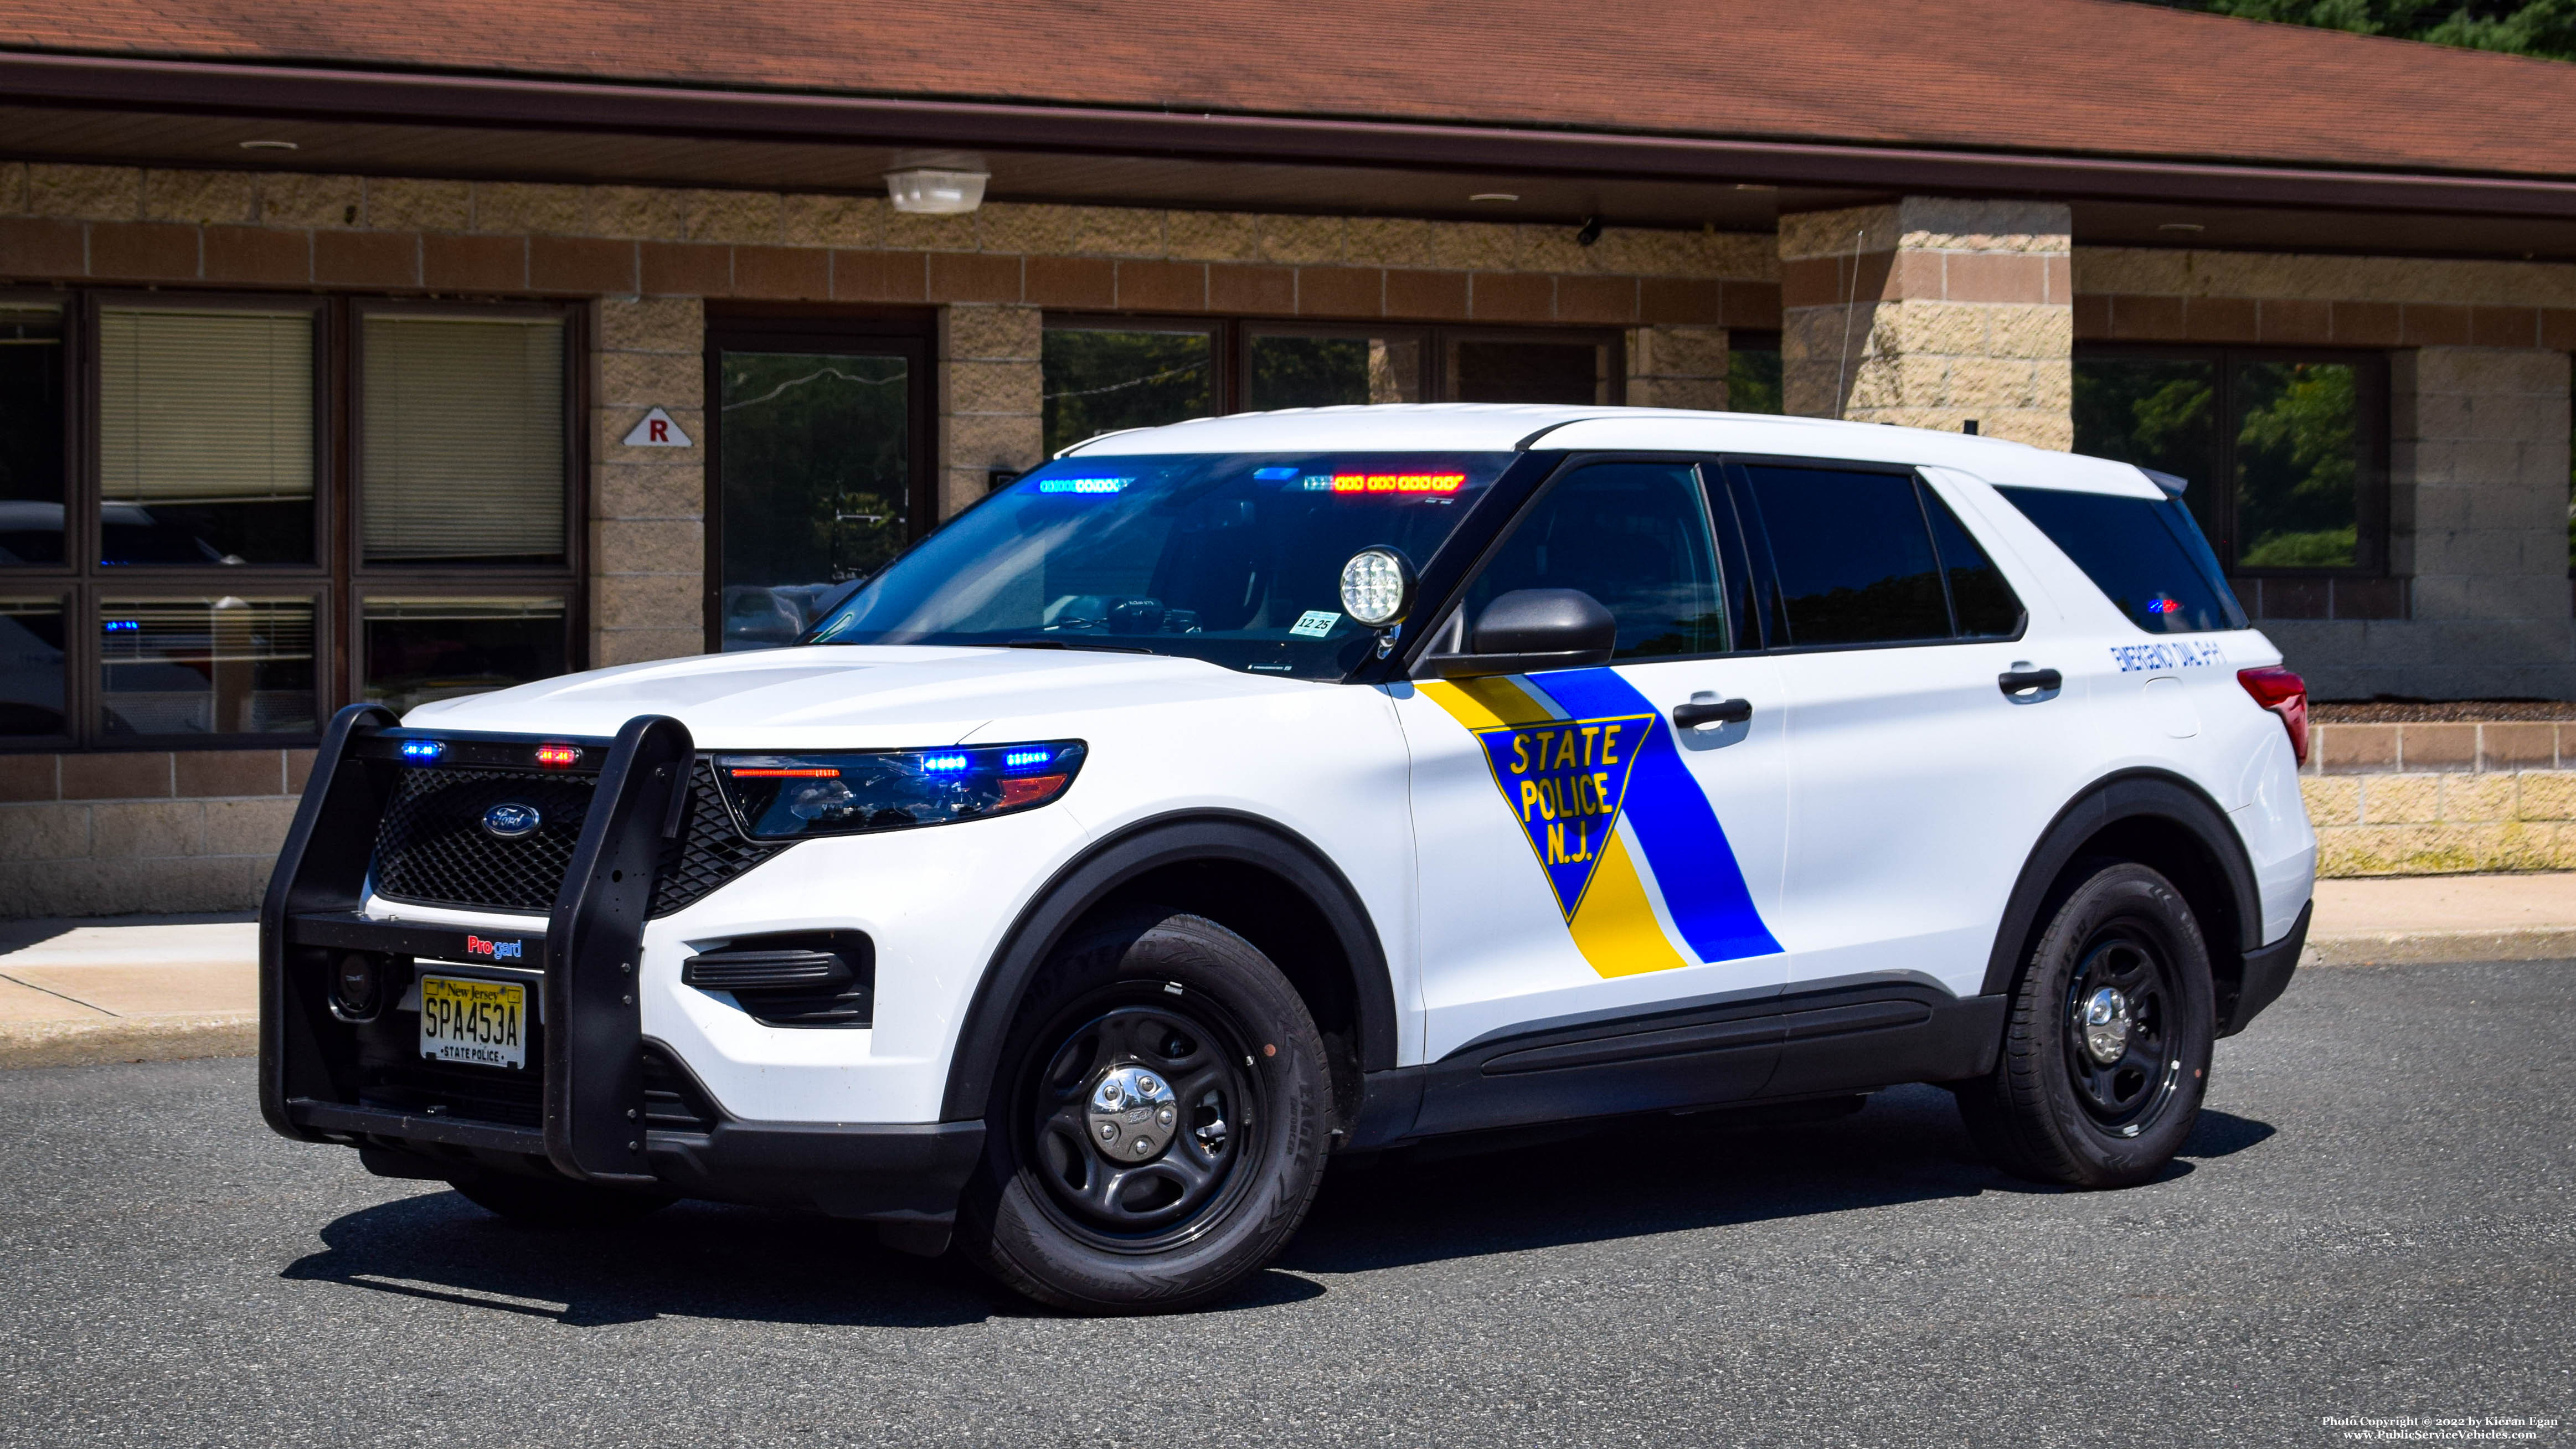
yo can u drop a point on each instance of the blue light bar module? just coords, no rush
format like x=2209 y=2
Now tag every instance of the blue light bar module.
x=792 y=797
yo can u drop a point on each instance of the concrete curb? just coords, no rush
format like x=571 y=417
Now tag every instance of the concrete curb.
x=129 y=1039
x=2393 y=948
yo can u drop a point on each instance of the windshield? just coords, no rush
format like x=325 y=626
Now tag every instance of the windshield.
x=1235 y=558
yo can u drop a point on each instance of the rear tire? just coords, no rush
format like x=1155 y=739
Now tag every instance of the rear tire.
x=1158 y=1128
x=557 y=1203
x=2106 y=1053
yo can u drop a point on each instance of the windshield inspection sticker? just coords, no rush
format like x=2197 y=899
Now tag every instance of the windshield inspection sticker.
x=2186 y=654
x=1314 y=624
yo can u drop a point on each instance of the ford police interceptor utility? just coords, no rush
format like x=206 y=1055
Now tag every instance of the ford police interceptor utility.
x=1222 y=796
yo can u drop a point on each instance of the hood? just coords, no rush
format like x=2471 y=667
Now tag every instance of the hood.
x=844 y=696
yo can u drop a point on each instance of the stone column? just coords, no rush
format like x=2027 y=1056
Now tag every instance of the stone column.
x=648 y=542
x=1930 y=312
x=989 y=380
x=1674 y=366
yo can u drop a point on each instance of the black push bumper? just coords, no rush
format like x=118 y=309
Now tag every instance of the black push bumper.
x=592 y=1122
x=2267 y=975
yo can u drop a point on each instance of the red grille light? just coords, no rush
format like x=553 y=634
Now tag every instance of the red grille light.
x=2284 y=694
x=558 y=757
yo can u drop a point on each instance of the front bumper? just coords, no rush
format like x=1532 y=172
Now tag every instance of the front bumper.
x=606 y=1105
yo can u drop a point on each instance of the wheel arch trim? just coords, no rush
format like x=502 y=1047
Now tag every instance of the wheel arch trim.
x=1185 y=837
x=2128 y=795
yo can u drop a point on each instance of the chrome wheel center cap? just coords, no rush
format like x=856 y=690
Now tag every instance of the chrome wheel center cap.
x=2105 y=1018
x=1131 y=1115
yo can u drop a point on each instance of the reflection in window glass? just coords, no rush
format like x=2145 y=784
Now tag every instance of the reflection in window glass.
x=463 y=433
x=1322 y=372
x=205 y=436
x=31 y=668
x=1633 y=536
x=1753 y=374
x=2155 y=412
x=1508 y=370
x=2145 y=554
x=222 y=666
x=817 y=484
x=418 y=650
x=31 y=435
x=1852 y=557
x=2298 y=465
x=1100 y=381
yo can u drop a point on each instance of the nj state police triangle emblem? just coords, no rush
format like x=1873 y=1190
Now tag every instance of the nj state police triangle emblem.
x=1565 y=780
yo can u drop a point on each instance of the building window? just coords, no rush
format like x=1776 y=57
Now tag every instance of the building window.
x=185 y=559
x=1103 y=374
x=2284 y=452
x=1753 y=373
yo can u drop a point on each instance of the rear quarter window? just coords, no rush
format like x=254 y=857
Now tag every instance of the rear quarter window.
x=2145 y=554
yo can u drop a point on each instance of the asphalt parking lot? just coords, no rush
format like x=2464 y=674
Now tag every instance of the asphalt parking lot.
x=2372 y=1219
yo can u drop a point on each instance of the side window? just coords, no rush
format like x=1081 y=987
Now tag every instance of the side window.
x=1980 y=598
x=1632 y=535
x=1851 y=557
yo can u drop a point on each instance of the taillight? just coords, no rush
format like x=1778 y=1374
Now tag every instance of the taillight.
x=2284 y=694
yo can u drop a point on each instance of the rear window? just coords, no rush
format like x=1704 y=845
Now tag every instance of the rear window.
x=2144 y=553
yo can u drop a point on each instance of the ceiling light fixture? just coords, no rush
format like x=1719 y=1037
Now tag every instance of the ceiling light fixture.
x=2180 y=226
x=937 y=183
x=1495 y=196
x=270 y=146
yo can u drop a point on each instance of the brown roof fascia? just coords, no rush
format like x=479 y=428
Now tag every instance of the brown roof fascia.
x=401 y=97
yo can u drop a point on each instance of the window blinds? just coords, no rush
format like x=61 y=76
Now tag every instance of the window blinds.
x=204 y=406
x=463 y=452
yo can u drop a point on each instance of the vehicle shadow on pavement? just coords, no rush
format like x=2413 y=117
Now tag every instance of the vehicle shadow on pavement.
x=1668 y=1174
x=692 y=1259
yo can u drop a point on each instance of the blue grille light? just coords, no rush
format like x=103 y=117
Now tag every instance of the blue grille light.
x=943 y=762
x=423 y=752
x=122 y=626
x=1023 y=759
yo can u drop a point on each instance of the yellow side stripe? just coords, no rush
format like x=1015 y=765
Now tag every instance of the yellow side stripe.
x=1615 y=927
x=1484 y=704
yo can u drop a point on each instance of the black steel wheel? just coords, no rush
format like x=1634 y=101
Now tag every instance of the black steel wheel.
x=1138 y=1116
x=1159 y=1127
x=2106 y=1052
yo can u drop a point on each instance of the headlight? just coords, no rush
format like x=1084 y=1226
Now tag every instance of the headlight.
x=789 y=797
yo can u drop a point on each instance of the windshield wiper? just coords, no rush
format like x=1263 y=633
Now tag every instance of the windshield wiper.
x=1075 y=644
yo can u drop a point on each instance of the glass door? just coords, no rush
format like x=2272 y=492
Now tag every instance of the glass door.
x=821 y=471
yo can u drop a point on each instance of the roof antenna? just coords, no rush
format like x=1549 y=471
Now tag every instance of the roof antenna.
x=1842 y=364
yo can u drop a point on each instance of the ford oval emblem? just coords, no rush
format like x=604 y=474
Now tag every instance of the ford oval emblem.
x=509 y=820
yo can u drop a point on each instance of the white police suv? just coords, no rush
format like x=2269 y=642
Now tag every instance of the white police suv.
x=1222 y=796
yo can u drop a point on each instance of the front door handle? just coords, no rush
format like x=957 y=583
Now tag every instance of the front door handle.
x=2018 y=681
x=1706 y=712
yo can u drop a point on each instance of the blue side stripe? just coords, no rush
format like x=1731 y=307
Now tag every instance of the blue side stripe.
x=1684 y=844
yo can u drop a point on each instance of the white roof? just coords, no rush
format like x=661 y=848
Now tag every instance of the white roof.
x=1501 y=427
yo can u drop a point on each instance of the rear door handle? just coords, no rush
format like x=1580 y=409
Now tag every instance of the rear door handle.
x=1724 y=711
x=2017 y=681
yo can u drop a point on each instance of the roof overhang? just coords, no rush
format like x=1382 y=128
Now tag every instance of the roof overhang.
x=401 y=122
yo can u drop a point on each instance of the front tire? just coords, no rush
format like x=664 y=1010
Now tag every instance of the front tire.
x=2106 y=1054
x=1158 y=1129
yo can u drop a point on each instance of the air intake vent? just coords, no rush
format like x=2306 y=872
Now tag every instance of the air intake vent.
x=806 y=978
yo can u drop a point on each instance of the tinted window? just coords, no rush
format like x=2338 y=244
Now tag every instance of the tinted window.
x=1632 y=535
x=1851 y=557
x=1982 y=602
x=2145 y=553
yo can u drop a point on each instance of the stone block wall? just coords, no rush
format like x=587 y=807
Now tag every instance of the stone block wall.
x=156 y=831
x=2441 y=799
x=1931 y=313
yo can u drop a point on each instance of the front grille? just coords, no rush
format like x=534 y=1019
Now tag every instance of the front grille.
x=432 y=846
x=432 y=849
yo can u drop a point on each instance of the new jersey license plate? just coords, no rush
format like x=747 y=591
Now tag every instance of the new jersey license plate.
x=481 y=1022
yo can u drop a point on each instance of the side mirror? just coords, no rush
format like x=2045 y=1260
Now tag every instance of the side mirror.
x=1528 y=630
